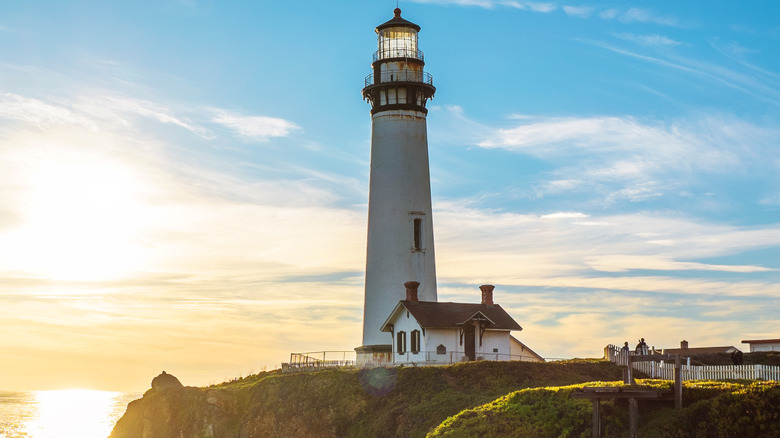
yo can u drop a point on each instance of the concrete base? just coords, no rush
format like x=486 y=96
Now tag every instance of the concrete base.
x=374 y=356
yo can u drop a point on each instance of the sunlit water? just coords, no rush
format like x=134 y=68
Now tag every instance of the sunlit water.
x=61 y=414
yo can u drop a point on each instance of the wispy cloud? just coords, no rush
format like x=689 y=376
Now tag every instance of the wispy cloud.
x=639 y=15
x=531 y=6
x=543 y=7
x=623 y=15
x=624 y=263
x=565 y=251
x=648 y=40
x=579 y=11
x=42 y=114
x=257 y=128
x=763 y=87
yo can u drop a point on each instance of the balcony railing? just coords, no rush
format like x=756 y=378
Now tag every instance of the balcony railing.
x=399 y=53
x=401 y=76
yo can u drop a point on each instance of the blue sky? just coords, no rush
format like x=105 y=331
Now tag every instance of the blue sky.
x=183 y=184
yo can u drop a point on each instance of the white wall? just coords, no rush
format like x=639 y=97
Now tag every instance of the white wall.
x=754 y=348
x=405 y=322
x=494 y=339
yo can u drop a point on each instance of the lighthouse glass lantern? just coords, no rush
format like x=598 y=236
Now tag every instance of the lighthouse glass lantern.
x=398 y=42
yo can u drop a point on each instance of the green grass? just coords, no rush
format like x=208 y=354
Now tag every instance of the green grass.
x=711 y=409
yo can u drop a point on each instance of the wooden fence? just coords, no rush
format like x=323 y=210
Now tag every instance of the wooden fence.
x=665 y=370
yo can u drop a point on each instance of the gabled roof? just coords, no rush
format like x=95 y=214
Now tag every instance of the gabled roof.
x=432 y=314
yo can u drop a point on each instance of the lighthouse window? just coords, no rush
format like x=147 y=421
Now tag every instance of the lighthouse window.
x=418 y=244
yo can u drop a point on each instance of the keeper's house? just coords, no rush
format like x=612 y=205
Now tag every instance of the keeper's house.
x=435 y=333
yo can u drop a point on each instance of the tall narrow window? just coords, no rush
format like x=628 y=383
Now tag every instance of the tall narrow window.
x=415 y=341
x=401 y=342
x=418 y=246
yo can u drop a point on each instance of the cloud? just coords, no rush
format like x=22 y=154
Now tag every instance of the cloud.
x=35 y=112
x=258 y=128
x=648 y=40
x=565 y=215
x=543 y=7
x=642 y=16
x=636 y=160
x=534 y=250
x=578 y=11
x=624 y=263
x=531 y=6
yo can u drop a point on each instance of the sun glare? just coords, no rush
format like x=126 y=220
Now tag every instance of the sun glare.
x=74 y=413
x=80 y=216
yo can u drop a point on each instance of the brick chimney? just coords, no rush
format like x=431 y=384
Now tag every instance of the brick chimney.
x=487 y=294
x=411 y=290
x=683 y=344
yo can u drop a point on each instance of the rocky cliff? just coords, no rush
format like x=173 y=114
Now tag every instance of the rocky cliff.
x=407 y=402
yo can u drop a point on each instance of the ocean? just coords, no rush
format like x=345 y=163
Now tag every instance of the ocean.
x=61 y=414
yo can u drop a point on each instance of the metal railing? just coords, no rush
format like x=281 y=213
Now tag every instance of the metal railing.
x=665 y=370
x=320 y=359
x=399 y=53
x=401 y=76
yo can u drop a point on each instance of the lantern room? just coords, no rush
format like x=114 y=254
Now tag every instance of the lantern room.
x=397 y=39
x=398 y=80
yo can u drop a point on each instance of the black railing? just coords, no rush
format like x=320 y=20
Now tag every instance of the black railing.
x=401 y=76
x=399 y=53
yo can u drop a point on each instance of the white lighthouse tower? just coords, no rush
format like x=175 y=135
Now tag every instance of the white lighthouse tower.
x=400 y=223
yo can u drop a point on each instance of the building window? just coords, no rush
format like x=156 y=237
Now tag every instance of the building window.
x=417 y=225
x=441 y=349
x=415 y=341
x=401 y=342
x=495 y=350
x=417 y=234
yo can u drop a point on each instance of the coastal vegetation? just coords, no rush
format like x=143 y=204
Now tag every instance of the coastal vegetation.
x=479 y=399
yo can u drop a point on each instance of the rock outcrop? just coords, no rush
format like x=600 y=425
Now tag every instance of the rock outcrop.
x=165 y=381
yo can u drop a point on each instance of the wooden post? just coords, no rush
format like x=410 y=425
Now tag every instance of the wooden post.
x=630 y=371
x=677 y=382
x=633 y=417
x=596 y=418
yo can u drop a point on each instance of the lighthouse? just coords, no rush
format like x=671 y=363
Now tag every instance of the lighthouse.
x=400 y=224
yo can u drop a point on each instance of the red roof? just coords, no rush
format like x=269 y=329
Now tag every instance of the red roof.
x=432 y=314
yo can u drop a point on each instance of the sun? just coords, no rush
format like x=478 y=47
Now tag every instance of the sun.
x=80 y=216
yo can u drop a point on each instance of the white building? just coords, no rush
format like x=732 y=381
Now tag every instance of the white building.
x=434 y=333
x=758 y=345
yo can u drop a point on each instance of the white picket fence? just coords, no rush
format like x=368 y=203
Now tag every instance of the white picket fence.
x=665 y=370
